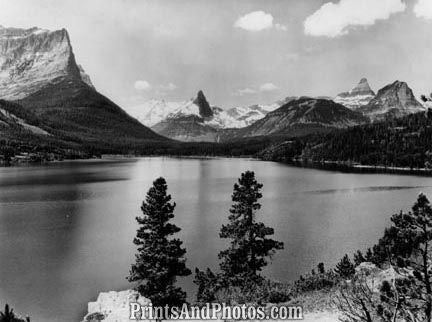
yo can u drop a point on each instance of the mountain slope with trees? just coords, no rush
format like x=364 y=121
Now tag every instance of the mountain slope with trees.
x=400 y=142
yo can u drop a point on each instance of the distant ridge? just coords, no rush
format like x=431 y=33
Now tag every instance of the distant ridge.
x=302 y=116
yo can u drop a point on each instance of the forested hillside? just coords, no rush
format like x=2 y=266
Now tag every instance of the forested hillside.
x=403 y=142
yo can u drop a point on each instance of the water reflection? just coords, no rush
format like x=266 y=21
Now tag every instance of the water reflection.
x=66 y=230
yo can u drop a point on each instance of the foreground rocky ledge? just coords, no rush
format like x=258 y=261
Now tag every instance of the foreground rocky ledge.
x=114 y=307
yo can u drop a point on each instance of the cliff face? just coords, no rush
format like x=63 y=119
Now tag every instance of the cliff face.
x=359 y=96
x=393 y=100
x=45 y=92
x=32 y=58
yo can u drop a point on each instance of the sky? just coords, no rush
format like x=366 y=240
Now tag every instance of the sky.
x=239 y=52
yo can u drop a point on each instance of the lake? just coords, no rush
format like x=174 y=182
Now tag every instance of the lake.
x=66 y=229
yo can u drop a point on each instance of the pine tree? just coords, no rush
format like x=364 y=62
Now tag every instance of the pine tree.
x=416 y=227
x=321 y=269
x=359 y=258
x=208 y=285
x=9 y=316
x=369 y=255
x=345 y=267
x=160 y=259
x=250 y=247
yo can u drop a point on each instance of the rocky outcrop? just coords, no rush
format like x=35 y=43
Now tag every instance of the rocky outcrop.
x=32 y=58
x=113 y=306
x=393 y=100
x=359 y=96
x=204 y=107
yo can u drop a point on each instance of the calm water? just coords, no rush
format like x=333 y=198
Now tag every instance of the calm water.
x=66 y=230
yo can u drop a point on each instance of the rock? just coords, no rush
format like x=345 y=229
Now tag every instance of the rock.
x=32 y=58
x=359 y=96
x=113 y=306
x=393 y=100
x=374 y=276
x=204 y=106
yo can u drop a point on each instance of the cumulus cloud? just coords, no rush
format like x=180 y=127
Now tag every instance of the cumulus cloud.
x=244 y=91
x=142 y=85
x=258 y=21
x=423 y=9
x=268 y=87
x=337 y=19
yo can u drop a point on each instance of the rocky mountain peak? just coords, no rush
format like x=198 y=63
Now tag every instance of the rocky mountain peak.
x=393 y=100
x=362 y=88
x=359 y=96
x=33 y=58
x=204 y=107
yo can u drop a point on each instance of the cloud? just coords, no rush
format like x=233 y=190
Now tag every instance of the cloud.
x=142 y=85
x=169 y=87
x=258 y=21
x=337 y=19
x=423 y=9
x=281 y=27
x=268 y=87
x=244 y=91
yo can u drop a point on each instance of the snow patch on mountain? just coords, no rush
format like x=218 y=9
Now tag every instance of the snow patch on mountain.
x=155 y=111
x=359 y=96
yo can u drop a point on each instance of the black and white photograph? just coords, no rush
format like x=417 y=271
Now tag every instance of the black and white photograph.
x=221 y=160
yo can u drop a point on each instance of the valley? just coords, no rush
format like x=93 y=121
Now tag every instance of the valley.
x=50 y=110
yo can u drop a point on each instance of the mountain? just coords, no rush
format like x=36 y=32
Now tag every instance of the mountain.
x=154 y=111
x=303 y=116
x=359 y=96
x=246 y=115
x=393 y=100
x=396 y=145
x=39 y=73
x=203 y=105
x=188 y=122
x=14 y=117
x=196 y=119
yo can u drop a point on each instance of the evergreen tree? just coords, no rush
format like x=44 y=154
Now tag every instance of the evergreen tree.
x=9 y=316
x=345 y=267
x=321 y=269
x=416 y=227
x=369 y=255
x=160 y=259
x=359 y=258
x=250 y=247
x=208 y=286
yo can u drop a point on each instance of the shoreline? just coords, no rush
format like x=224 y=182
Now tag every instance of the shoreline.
x=339 y=166
x=343 y=167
